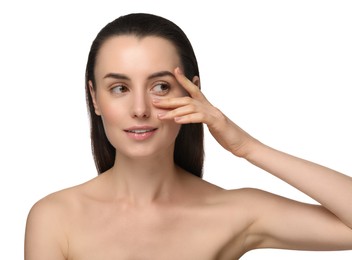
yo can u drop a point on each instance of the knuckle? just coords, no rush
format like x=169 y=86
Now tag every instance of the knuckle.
x=188 y=99
x=193 y=107
x=202 y=117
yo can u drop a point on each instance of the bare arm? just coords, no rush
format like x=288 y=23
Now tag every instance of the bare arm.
x=293 y=225
x=44 y=238
x=277 y=222
x=331 y=189
x=282 y=223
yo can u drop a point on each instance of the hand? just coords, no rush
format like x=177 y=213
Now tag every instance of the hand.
x=195 y=108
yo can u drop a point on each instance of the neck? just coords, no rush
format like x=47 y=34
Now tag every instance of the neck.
x=145 y=180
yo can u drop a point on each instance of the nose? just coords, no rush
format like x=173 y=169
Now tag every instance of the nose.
x=141 y=105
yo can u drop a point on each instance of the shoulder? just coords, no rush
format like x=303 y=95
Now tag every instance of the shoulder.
x=51 y=211
x=46 y=227
x=250 y=196
x=57 y=204
x=243 y=196
x=251 y=203
x=215 y=195
x=56 y=208
x=247 y=198
x=49 y=219
x=51 y=204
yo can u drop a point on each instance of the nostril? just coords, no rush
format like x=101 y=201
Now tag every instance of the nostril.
x=141 y=112
x=141 y=105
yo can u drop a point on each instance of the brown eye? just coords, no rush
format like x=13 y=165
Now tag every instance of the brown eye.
x=118 y=89
x=161 y=89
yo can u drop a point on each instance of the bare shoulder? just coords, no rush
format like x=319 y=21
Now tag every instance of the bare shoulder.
x=51 y=210
x=249 y=204
x=251 y=196
x=48 y=222
x=256 y=203
x=57 y=204
x=247 y=197
x=53 y=204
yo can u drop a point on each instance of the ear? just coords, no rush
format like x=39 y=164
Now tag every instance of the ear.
x=94 y=99
x=196 y=81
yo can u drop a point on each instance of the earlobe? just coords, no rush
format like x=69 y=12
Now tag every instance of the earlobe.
x=196 y=81
x=93 y=95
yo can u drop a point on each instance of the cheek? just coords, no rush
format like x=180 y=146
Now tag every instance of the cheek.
x=110 y=114
x=111 y=109
x=172 y=129
x=112 y=119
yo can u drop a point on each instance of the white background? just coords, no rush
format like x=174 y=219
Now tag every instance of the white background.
x=282 y=70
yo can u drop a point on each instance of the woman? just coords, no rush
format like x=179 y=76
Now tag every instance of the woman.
x=149 y=201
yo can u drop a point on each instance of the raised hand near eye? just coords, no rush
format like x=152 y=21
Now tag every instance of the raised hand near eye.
x=195 y=108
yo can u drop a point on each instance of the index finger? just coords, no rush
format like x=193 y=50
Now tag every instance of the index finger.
x=188 y=85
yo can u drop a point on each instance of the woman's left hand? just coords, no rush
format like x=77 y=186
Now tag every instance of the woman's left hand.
x=195 y=108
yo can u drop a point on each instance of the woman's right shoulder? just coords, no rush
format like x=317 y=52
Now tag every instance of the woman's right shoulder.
x=55 y=204
x=59 y=203
x=48 y=222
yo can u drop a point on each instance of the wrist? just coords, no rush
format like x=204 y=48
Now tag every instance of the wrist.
x=247 y=148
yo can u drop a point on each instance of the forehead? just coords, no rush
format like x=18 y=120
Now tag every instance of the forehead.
x=129 y=53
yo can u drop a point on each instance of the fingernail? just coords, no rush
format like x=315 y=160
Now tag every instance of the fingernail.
x=161 y=115
x=156 y=100
x=179 y=71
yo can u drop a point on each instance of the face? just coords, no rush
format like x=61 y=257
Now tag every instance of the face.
x=130 y=72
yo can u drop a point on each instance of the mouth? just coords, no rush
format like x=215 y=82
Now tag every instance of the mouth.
x=140 y=131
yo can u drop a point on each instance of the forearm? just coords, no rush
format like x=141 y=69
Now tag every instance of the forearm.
x=328 y=187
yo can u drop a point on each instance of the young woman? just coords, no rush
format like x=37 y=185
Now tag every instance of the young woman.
x=149 y=200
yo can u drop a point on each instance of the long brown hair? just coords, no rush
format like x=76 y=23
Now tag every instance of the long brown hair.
x=189 y=148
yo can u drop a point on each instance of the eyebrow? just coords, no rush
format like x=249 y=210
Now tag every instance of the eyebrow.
x=154 y=75
x=161 y=74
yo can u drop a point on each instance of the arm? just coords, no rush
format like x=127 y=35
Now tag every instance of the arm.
x=278 y=222
x=306 y=226
x=44 y=238
x=331 y=189
x=294 y=225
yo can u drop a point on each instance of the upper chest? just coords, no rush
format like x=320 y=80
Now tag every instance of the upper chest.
x=106 y=232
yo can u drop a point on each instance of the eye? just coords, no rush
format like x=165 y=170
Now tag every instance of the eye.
x=161 y=88
x=119 y=89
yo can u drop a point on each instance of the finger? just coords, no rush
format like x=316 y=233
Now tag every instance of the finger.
x=171 y=103
x=190 y=118
x=178 y=112
x=188 y=85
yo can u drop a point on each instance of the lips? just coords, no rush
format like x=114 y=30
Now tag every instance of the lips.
x=140 y=129
x=140 y=133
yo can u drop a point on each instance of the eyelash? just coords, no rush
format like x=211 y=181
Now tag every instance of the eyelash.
x=122 y=89
x=118 y=87
x=163 y=91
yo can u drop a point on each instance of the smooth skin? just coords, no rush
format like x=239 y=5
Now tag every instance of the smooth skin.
x=146 y=207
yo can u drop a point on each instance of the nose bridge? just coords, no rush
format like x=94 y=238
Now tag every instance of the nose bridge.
x=140 y=103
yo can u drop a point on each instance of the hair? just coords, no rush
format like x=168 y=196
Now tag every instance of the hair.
x=189 y=146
